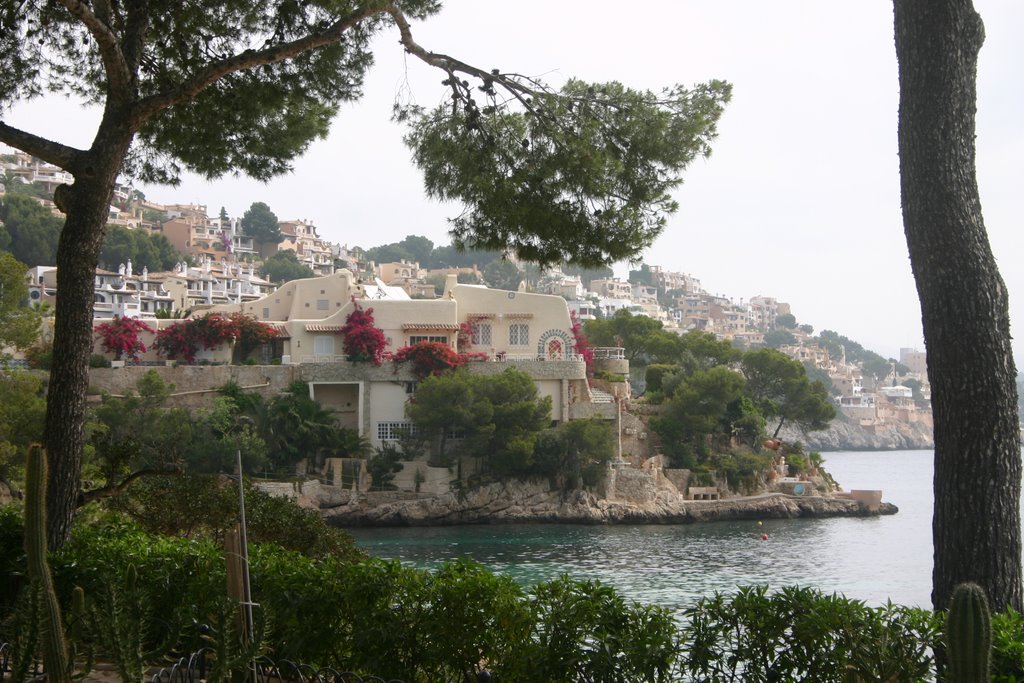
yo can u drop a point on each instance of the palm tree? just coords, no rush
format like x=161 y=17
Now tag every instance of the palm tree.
x=296 y=427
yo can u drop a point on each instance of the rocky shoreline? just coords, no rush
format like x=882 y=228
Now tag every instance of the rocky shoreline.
x=525 y=502
x=845 y=435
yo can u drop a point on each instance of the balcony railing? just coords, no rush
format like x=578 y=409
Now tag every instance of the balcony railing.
x=525 y=357
x=496 y=358
x=609 y=353
x=322 y=358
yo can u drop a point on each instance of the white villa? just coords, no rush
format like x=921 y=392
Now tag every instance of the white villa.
x=533 y=332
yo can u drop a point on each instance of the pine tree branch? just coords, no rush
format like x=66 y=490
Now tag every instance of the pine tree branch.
x=51 y=152
x=119 y=76
x=520 y=90
x=149 y=106
x=86 y=497
x=135 y=35
x=779 y=428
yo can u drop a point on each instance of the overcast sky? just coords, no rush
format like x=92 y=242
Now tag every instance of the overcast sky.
x=800 y=199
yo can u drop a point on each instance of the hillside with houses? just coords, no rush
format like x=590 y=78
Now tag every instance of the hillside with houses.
x=505 y=314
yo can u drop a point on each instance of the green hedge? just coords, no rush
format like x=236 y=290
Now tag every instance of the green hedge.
x=383 y=618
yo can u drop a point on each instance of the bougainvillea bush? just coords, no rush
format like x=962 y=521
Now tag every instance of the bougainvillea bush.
x=362 y=340
x=183 y=340
x=464 y=340
x=120 y=337
x=433 y=358
x=176 y=343
x=250 y=333
x=582 y=346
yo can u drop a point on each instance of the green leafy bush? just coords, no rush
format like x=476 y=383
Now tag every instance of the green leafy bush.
x=413 y=625
x=181 y=583
x=383 y=465
x=586 y=631
x=742 y=469
x=1007 y=647
x=383 y=618
x=177 y=579
x=656 y=373
x=206 y=506
x=654 y=397
x=98 y=360
x=609 y=376
x=803 y=634
x=12 y=556
x=40 y=357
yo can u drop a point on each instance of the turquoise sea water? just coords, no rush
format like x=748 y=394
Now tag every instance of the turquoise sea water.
x=874 y=559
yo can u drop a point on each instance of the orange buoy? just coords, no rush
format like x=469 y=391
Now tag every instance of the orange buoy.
x=764 y=537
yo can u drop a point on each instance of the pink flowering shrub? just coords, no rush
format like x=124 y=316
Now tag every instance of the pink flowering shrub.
x=433 y=358
x=183 y=340
x=464 y=340
x=582 y=346
x=120 y=337
x=250 y=333
x=176 y=343
x=362 y=340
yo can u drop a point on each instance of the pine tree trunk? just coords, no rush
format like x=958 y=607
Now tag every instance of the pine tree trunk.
x=87 y=205
x=976 y=525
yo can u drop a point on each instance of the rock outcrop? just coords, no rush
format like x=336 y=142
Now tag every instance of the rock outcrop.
x=519 y=502
x=848 y=436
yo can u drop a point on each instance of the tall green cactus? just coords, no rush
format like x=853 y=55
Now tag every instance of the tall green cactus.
x=968 y=636
x=55 y=648
x=80 y=652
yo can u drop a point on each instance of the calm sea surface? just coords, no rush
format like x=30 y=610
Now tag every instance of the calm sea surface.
x=873 y=559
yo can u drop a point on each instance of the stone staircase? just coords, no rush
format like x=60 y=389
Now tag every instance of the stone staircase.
x=598 y=396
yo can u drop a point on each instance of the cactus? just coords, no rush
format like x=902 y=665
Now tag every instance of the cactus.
x=24 y=624
x=77 y=645
x=968 y=636
x=77 y=614
x=51 y=626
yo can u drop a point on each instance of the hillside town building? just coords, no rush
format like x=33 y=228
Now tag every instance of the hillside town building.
x=303 y=238
x=219 y=272
x=532 y=332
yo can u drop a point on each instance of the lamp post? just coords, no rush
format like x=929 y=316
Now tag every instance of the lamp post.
x=238 y=568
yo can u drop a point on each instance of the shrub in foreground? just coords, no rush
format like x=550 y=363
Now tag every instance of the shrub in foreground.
x=803 y=634
x=206 y=506
x=383 y=618
x=1007 y=647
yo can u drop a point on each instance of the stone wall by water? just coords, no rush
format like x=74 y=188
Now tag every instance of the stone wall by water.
x=630 y=496
x=627 y=485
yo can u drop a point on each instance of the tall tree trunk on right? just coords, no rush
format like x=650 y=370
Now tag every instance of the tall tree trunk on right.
x=976 y=525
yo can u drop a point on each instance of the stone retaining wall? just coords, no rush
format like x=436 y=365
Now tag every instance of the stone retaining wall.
x=194 y=384
x=628 y=485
